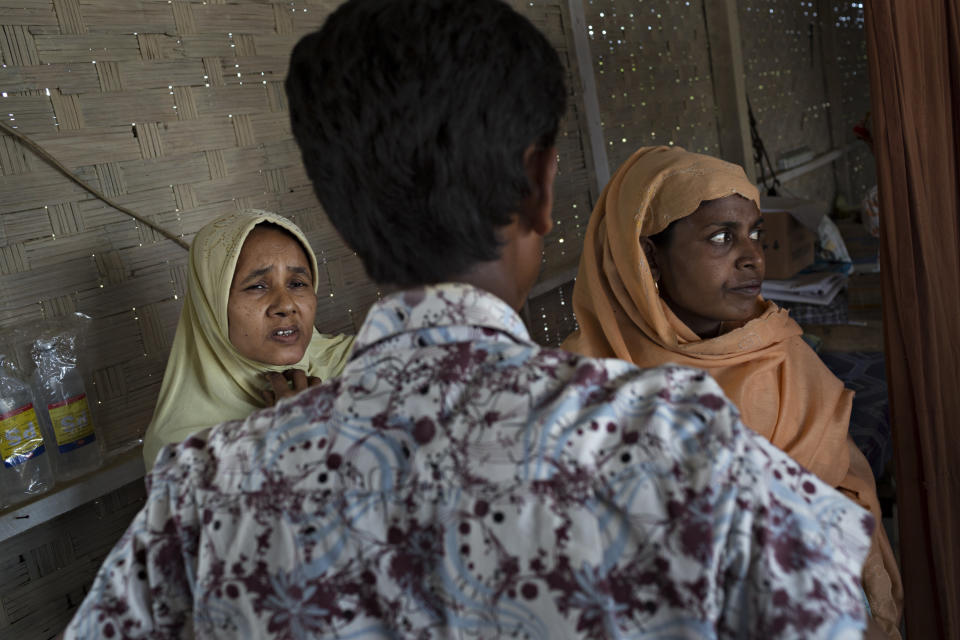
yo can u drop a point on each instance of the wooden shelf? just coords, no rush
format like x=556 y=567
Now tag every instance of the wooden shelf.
x=116 y=472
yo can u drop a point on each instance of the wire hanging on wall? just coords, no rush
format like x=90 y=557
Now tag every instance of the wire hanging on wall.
x=45 y=155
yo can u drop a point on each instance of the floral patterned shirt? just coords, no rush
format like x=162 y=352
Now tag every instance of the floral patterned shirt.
x=458 y=481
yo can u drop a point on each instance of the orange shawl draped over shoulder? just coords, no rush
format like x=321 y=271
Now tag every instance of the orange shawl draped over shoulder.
x=782 y=388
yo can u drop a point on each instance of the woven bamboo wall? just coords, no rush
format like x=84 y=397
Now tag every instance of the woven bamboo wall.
x=176 y=110
x=652 y=68
x=785 y=84
x=575 y=193
x=550 y=316
x=48 y=570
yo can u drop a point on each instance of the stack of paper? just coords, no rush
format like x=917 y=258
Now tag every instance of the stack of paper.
x=808 y=288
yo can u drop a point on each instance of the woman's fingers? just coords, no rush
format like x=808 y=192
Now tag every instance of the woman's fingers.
x=286 y=384
x=298 y=377
x=279 y=388
x=278 y=383
x=269 y=397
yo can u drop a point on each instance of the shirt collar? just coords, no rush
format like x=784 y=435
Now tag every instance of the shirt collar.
x=440 y=305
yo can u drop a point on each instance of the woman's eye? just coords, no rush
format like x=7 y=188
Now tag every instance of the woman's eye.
x=756 y=234
x=298 y=283
x=256 y=286
x=721 y=237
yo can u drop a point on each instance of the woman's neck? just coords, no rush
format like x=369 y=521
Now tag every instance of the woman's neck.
x=704 y=329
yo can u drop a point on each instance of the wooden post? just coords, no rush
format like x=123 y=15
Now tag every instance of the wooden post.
x=729 y=86
x=591 y=104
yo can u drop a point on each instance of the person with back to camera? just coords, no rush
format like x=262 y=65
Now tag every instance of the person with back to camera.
x=671 y=273
x=457 y=480
x=245 y=335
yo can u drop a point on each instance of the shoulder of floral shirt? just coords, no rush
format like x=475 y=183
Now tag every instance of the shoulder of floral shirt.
x=439 y=305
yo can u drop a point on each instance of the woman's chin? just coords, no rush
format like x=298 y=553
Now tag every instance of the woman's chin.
x=283 y=358
x=743 y=309
x=289 y=362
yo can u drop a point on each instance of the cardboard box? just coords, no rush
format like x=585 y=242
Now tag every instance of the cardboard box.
x=790 y=234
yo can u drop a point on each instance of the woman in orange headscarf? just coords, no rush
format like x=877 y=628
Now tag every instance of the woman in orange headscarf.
x=670 y=273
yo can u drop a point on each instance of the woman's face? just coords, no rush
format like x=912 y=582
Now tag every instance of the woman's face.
x=711 y=267
x=272 y=303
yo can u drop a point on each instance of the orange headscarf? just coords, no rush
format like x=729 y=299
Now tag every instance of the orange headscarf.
x=782 y=388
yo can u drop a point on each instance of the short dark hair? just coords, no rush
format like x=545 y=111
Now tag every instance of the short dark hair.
x=412 y=117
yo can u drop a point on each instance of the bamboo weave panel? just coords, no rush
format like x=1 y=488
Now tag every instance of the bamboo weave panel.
x=550 y=315
x=48 y=569
x=652 y=68
x=574 y=194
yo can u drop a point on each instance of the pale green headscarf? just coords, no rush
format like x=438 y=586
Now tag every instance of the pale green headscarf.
x=207 y=381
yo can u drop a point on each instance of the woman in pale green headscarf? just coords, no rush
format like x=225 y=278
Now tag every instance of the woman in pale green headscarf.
x=248 y=314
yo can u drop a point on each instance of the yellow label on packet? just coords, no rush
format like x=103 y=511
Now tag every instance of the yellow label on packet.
x=20 y=437
x=72 y=423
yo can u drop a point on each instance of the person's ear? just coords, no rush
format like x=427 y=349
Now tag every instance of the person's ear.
x=650 y=251
x=537 y=208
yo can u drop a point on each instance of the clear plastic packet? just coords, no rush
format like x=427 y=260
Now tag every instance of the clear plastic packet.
x=55 y=350
x=26 y=469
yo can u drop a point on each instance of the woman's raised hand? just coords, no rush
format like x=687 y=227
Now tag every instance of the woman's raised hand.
x=286 y=384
